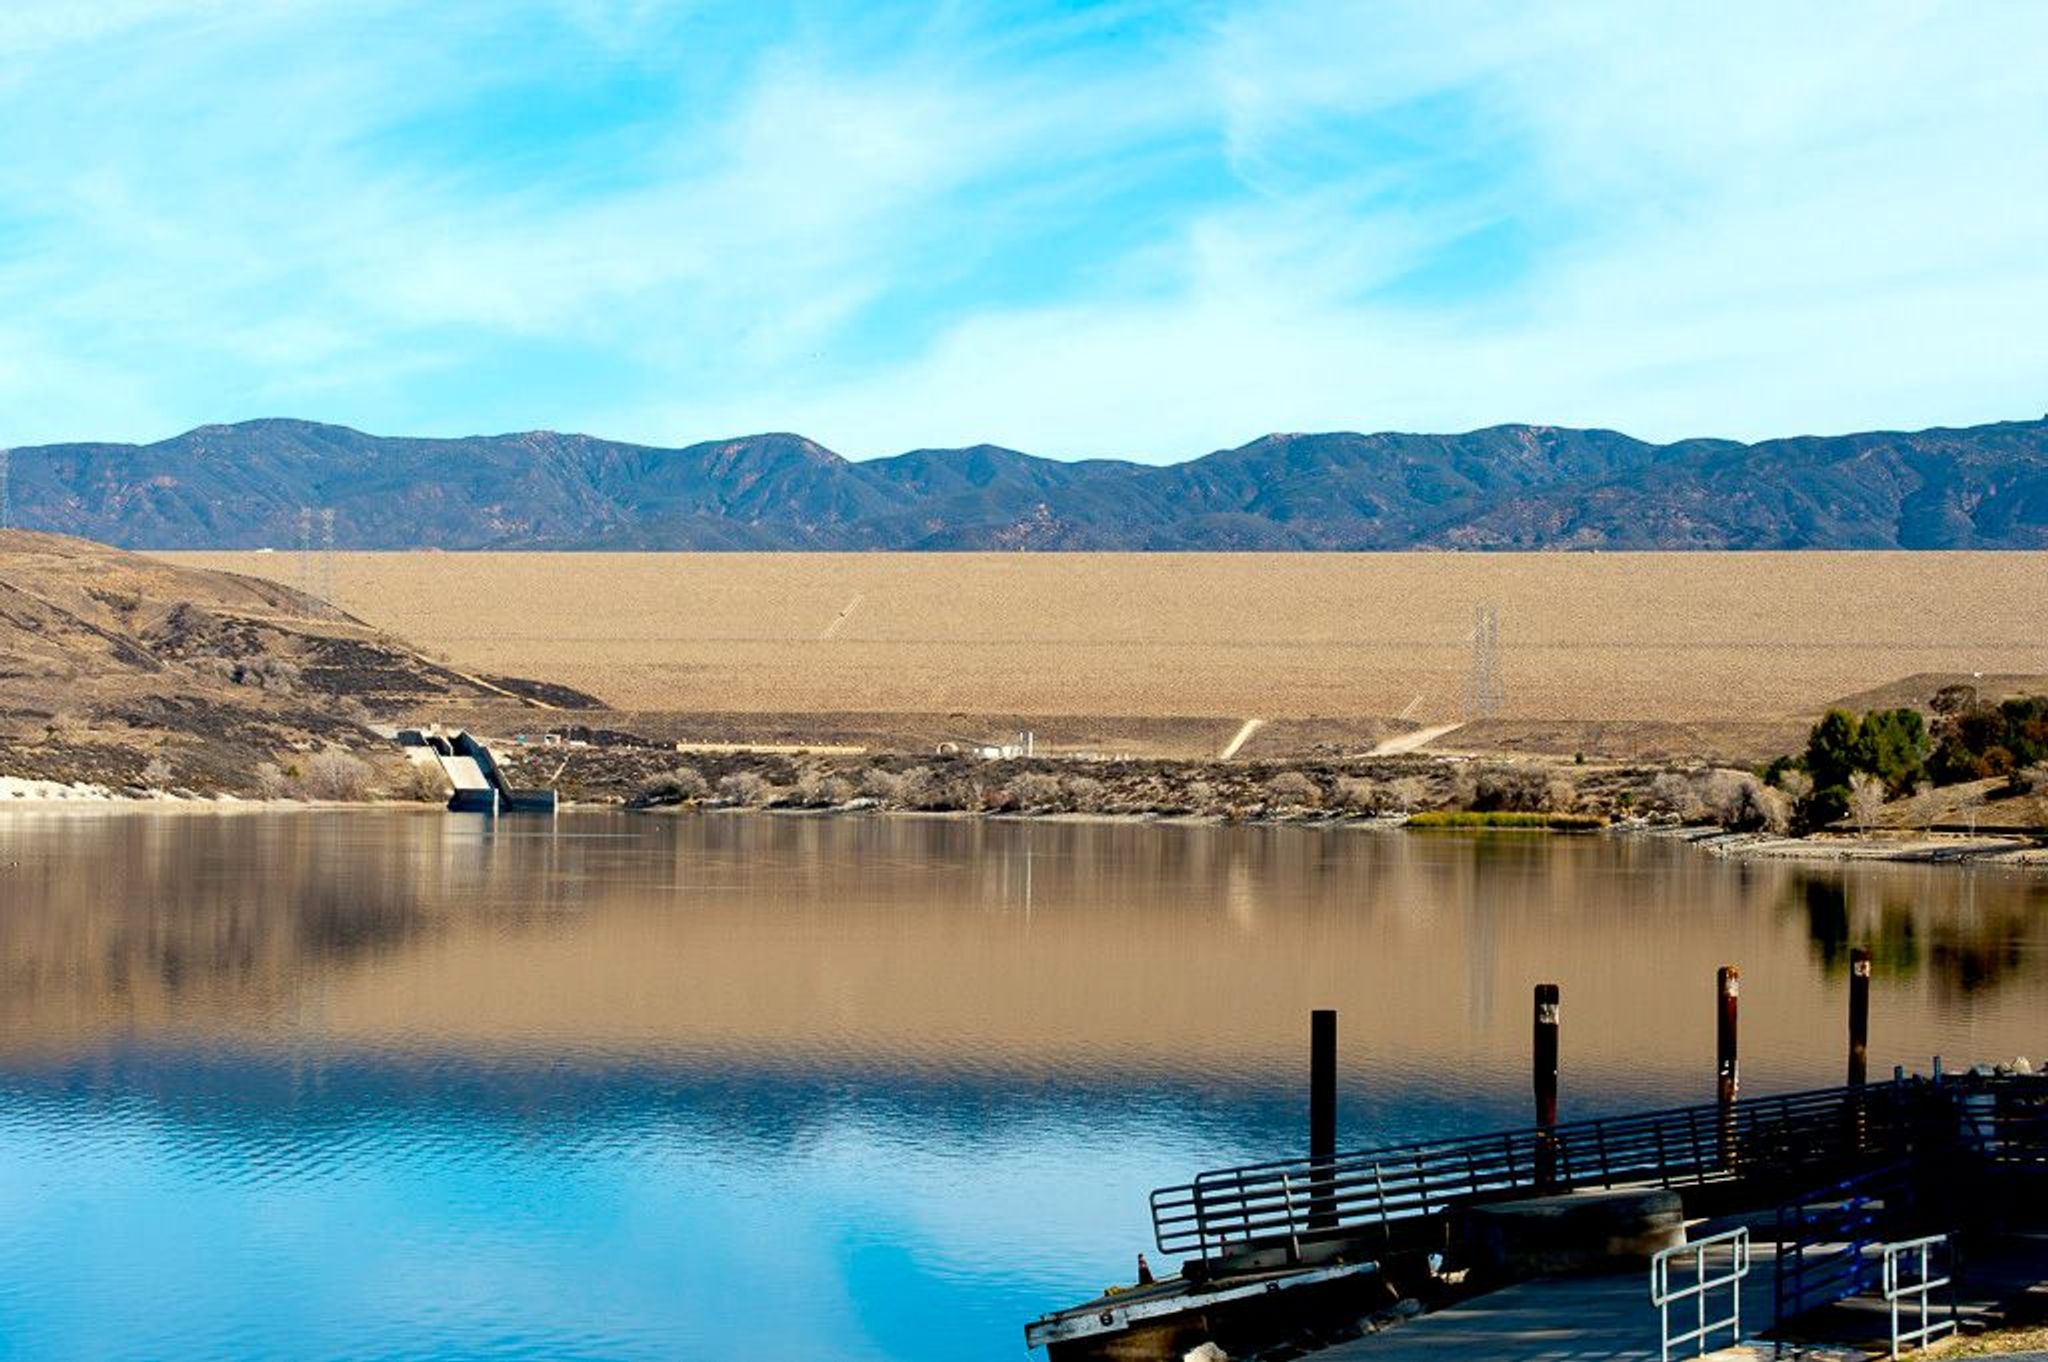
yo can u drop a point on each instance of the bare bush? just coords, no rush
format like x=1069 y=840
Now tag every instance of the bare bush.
x=679 y=786
x=1405 y=792
x=923 y=788
x=1672 y=792
x=1086 y=794
x=1796 y=784
x=1866 y=799
x=157 y=774
x=1293 y=790
x=1036 y=791
x=743 y=787
x=1354 y=794
x=1199 y=796
x=262 y=671
x=1560 y=794
x=272 y=783
x=337 y=776
x=878 y=784
x=1738 y=800
x=822 y=789
x=428 y=783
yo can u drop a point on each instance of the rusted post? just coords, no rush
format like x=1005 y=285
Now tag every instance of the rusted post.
x=1543 y=1070
x=1322 y=1115
x=1859 y=1017
x=1727 y=1069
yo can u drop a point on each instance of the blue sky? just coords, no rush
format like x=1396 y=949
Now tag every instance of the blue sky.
x=1145 y=230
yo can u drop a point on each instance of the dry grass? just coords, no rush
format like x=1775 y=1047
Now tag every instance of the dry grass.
x=1683 y=637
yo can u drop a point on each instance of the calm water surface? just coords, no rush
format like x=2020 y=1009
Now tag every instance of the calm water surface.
x=393 y=1084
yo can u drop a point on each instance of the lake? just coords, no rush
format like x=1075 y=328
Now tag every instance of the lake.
x=374 y=1084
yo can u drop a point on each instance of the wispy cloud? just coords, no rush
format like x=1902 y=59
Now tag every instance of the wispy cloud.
x=1112 y=229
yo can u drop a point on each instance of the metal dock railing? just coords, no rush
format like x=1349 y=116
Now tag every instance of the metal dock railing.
x=1232 y=1210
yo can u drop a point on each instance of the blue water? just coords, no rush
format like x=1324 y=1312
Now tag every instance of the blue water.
x=376 y=1086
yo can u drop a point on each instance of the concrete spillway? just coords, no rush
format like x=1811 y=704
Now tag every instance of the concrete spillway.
x=479 y=782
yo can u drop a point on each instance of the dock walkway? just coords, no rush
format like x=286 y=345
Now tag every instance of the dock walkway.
x=1608 y=1318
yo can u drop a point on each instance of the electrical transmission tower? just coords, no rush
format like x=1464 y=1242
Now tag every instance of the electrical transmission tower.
x=1488 y=692
x=306 y=550
x=327 y=554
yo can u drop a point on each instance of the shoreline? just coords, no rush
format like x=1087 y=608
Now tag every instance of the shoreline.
x=2004 y=850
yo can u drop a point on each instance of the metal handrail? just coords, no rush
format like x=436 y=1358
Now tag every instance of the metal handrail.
x=1824 y=1238
x=1664 y=1297
x=1228 y=1210
x=1923 y=1285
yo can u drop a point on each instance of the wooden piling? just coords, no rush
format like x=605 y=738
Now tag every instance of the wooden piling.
x=1859 y=1017
x=1543 y=1047
x=1727 y=1068
x=1322 y=1114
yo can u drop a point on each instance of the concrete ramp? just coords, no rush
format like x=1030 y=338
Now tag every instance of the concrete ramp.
x=480 y=783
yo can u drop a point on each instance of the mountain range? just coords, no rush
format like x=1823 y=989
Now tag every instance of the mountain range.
x=1506 y=487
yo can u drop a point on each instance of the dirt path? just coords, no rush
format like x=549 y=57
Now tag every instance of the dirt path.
x=482 y=684
x=841 y=618
x=1413 y=742
x=1244 y=734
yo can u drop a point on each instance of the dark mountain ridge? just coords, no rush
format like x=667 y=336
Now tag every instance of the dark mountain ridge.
x=1504 y=487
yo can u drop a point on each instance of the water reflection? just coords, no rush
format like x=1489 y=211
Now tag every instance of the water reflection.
x=372 y=1084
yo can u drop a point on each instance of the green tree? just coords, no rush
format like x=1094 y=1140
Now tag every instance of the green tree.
x=1834 y=749
x=1892 y=745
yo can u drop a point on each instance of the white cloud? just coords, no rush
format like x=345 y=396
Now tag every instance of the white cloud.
x=1760 y=221
x=1742 y=219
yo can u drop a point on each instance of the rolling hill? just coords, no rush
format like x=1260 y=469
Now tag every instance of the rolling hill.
x=109 y=660
x=1507 y=487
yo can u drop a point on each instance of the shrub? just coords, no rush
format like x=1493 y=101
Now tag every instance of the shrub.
x=1738 y=800
x=881 y=785
x=337 y=776
x=1506 y=818
x=923 y=788
x=1357 y=795
x=1086 y=793
x=271 y=783
x=156 y=775
x=743 y=787
x=1975 y=741
x=1406 y=792
x=1866 y=799
x=675 y=787
x=2028 y=780
x=1673 y=793
x=1511 y=788
x=1293 y=790
x=821 y=788
x=428 y=783
x=1035 y=790
x=1198 y=796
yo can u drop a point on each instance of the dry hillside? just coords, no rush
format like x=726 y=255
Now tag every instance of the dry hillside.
x=110 y=661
